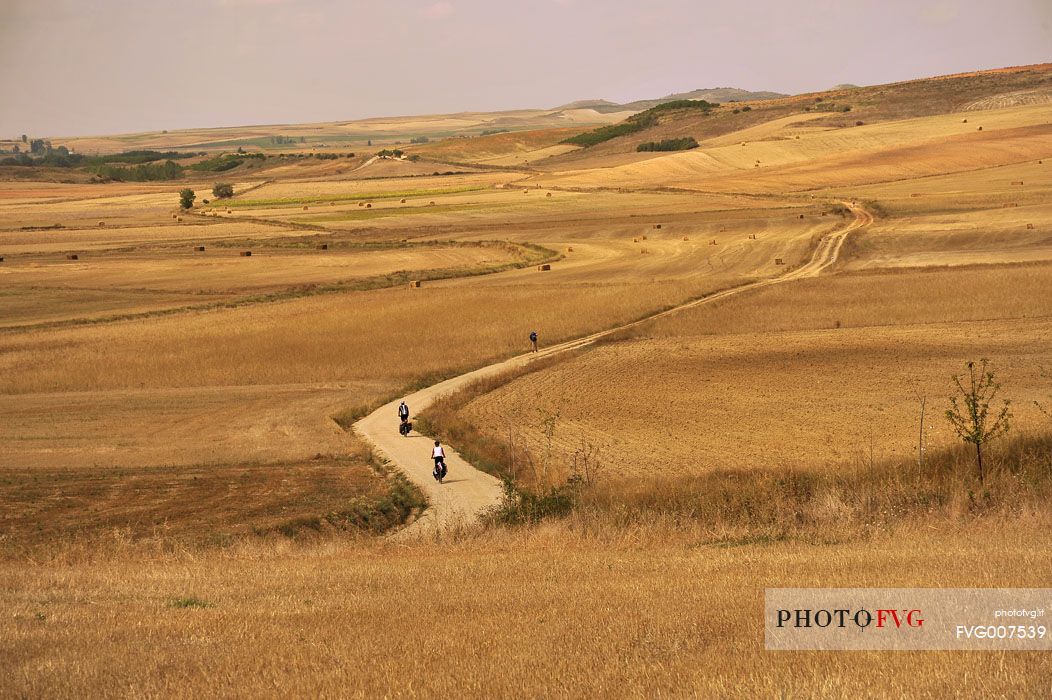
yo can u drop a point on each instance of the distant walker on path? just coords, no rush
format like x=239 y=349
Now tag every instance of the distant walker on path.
x=533 y=340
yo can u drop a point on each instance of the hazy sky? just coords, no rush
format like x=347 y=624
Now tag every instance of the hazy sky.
x=70 y=67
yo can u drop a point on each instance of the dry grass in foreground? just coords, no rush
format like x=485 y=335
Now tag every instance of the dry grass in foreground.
x=546 y=610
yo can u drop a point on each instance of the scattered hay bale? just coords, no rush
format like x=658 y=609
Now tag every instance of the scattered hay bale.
x=305 y=207
x=778 y=261
x=403 y=201
x=361 y=204
x=229 y=211
x=549 y=194
x=915 y=194
x=685 y=238
x=1 y=258
x=102 y=223
x=798 y=136
x=544 y=268
x=431 y=204
x=179 y=219
x=635 y=240
x=1018 y=182
x=643 y=238
x=1010 y=204
x=1029 y=227
x=525 y=191
x=323 y=246
x=72 y=256
x=712 y=242
x=199 y=249
x=173 y=216
x=644 y=251
x=980 y=128
x=743 y=143
x=824 y=213
x=723 y=229
x=964 y=121
x=752 y=236
x=657 y=226
x=414 y=284
x=801 y=216
x=332 y=204
x=369 y=205
x=246 y=253
x=569 y=249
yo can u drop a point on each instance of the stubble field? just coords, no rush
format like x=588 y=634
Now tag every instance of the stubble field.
x=182 y=507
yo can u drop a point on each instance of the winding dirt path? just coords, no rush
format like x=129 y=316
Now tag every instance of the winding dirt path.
x=467 y=492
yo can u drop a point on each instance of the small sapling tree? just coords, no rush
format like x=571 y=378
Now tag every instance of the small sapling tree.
x=969 y=412
x=186 y=198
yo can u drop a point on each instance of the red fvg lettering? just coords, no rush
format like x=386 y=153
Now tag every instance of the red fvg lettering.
x=910 y=618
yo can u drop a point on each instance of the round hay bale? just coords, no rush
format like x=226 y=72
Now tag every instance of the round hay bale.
x=199 y=249
x=431 y=204
x=544 y=268
x=569 y=249
x=414 y=284
x=964 y=121
x=980 y=128
x=179 y=218
x=685 y=238
x=102 y=223
x=549 y=194
x=403 y=201
x=304 y=208
x=801 y=216
x=369 y=206
x=657 y=226
x=173 y=216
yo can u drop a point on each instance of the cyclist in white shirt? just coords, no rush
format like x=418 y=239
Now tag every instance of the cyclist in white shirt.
x=439 y=455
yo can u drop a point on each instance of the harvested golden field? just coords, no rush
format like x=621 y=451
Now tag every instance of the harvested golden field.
x=547 y=610
x=195 y=445
x=822 y=399
x=848 y=156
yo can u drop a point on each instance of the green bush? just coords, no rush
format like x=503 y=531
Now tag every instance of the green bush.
x=683 y=144
x=222 y=190
x=186 y=198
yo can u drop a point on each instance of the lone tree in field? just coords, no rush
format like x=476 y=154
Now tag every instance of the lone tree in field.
x=222 y=190
x=186 y=198
x=969 y=411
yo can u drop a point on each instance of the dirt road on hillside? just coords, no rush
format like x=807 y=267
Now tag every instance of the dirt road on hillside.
x=467 y=492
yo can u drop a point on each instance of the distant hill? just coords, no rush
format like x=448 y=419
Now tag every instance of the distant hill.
x=723 y=94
